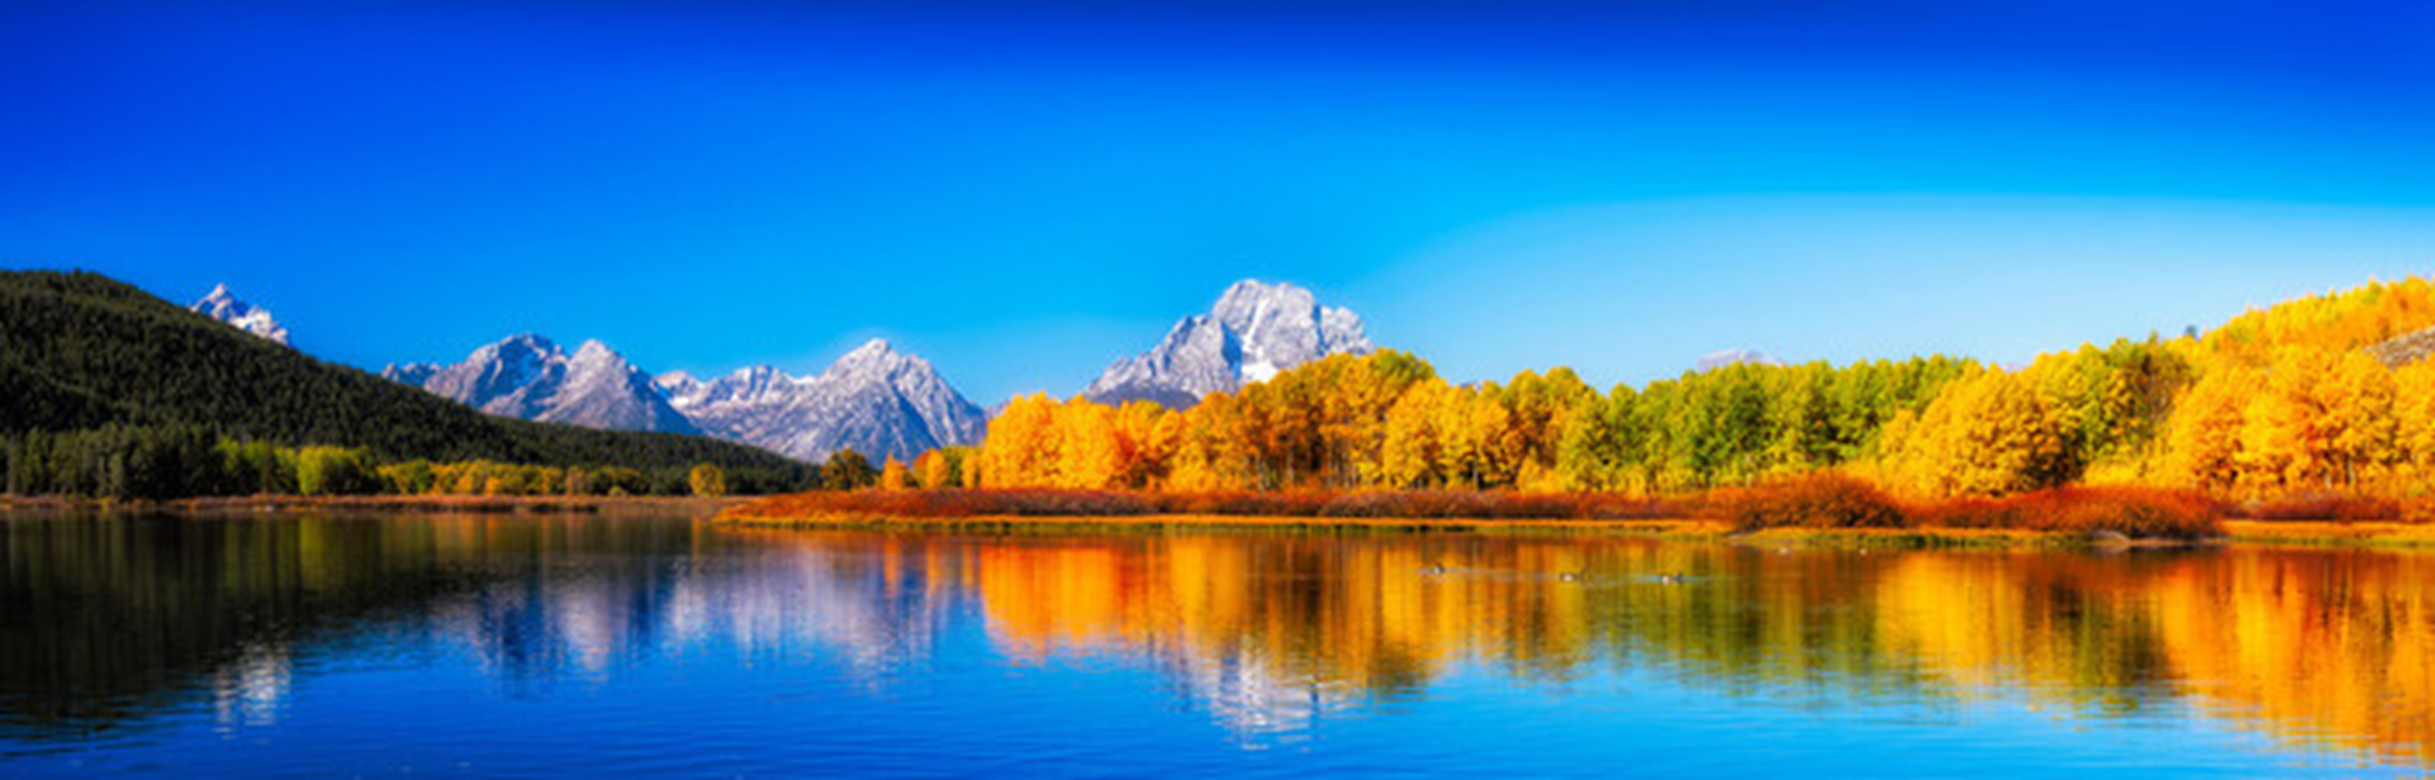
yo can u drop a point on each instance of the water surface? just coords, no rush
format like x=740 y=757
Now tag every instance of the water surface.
x=438 y=645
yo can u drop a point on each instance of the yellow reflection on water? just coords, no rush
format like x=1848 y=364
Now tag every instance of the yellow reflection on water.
x=2330 y=650
x=2318 y=649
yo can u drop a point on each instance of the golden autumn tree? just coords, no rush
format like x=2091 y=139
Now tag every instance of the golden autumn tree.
x=2414 y=422
x=2322 y=420
x=1089 y=454
x=1986 y=435
x=2204 y=436
x=1413 y=453
x=1539 y=409
x=931 y=465
x=2359 y=397
x=1147 y=438
x=1482 y=448
x=1214 y=449
x=1021 y=449
x=894 y=476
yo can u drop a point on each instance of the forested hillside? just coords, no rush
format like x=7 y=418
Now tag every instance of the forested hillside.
x=80 y=350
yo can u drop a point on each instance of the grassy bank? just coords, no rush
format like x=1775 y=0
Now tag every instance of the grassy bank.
x=2332 y=533
x=1811 y=510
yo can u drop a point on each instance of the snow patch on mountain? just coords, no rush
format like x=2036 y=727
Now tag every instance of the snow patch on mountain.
x=226 y=307
x=1255 y=331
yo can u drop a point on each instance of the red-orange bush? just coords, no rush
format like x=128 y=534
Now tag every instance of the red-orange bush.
x=1823 y=501
x=2138 y=513
x=1026 y=502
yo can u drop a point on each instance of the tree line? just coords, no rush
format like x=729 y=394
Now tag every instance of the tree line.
x=2278 y=402
x=182 y=461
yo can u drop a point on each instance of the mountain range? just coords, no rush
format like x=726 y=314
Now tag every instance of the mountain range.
x=875 y=400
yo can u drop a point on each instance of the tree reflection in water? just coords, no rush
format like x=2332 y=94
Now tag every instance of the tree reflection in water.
x=105 y=623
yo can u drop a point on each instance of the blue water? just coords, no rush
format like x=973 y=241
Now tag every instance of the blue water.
x=472 y=646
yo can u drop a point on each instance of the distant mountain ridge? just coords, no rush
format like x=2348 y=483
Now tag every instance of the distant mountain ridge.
x=1255 y=330
x=875 y=400
x=529 y=377
x=222 y=305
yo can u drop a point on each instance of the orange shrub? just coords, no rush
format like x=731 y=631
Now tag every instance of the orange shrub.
x=1822 y=501
x=1042 y=502
x=2138 y=513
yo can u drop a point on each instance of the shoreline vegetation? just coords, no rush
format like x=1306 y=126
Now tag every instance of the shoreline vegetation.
x=1817 y=510
x=1690 y=519
x=213 y=506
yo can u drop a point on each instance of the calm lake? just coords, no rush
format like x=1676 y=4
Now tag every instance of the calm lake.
x=523 y=646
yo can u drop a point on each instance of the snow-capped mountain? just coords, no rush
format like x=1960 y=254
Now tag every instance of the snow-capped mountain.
x=1256 y=330
x=876 y=400
x=1736 y=356
x=226 y=307
x=529 y=377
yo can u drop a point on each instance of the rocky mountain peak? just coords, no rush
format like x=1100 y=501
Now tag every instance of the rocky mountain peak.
x=1734 y=357
x=1255 y=330
x=225 y=306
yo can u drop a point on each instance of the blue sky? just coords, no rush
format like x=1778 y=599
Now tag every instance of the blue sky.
x=1023 y=193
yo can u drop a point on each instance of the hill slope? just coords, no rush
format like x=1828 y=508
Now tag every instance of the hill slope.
x=79 y=350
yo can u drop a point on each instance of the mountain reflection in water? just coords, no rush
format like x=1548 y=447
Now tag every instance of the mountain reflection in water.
x=112 y=627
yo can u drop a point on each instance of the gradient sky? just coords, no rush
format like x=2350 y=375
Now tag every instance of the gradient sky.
x=1023 y=193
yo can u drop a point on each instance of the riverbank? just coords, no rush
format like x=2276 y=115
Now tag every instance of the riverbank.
x=1821 y=513
x=1667 y=529
x=759 y=513
x=688 y=506
x=2331 y=533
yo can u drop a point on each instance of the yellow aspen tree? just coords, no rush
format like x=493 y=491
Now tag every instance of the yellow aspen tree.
x=1412 y=454
x=2357 y=397
x=1020 y=448
x=894 y=476
x=1147 y=437
x=2414 y=421
x=1089 y=455
x=2204 y=438
x=932 y=467
x=1986 y=435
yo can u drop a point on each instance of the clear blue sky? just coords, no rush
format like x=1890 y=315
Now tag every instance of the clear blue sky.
x=1024 y=192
